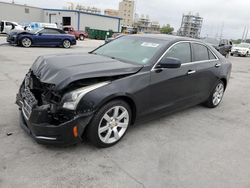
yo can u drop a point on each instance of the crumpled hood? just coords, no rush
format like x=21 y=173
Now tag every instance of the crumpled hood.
x=62 y=70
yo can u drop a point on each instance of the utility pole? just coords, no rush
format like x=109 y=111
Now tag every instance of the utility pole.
x=246 y=35
x=222 y=28
x=243 y=36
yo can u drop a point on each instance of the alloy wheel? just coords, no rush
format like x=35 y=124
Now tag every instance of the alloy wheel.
x=66 y=44
x=218 y=94
x=26 y=42
x=113 y=124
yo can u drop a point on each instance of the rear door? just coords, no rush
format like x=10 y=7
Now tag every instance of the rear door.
x=173 y=88
x=207 y=67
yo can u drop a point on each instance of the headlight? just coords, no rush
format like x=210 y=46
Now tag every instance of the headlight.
x=71 y=100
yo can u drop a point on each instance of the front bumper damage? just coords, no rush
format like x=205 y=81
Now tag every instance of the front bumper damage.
x=38 y=121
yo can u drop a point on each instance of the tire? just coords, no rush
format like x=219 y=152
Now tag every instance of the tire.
x=26 y=42
x=247 y=54
x=216 y=96
x=81 y=37
x=231 y=54
x=106 y=129
x=66 y=43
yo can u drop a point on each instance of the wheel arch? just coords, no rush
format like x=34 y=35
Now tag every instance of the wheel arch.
x=22 y=37
x=224 y=80
x=129 y=100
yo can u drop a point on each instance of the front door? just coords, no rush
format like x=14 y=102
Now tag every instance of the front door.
x=173 y=88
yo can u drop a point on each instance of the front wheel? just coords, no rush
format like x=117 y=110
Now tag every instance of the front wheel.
x=26 y=42
x=109 y=124
x=216 y=96
x=66 y=44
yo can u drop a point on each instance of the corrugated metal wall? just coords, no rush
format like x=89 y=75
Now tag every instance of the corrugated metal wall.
x=20 y=13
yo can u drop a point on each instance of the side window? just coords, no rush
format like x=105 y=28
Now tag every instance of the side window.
x=44 y=31
x=200 y=52
x=49 y=31
x=181 y=51
x=211 y=55
x=8 y=24
x=52 y=31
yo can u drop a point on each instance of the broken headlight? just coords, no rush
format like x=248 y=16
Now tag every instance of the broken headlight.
x=71 y=99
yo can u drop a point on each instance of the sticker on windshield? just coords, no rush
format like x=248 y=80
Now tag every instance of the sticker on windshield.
x=150 y=45
x=145 y=60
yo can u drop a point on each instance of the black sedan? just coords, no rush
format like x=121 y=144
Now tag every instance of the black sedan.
x=100 y=94
x=42 y=37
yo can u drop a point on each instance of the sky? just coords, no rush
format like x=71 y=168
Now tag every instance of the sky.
x=226 y=17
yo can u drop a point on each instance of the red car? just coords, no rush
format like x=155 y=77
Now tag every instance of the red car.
x=78 y=34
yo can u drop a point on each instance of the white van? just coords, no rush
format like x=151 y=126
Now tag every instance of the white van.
x=39 y=25
x=7 y=26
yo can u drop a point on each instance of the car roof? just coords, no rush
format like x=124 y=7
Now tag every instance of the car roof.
x=166 y=37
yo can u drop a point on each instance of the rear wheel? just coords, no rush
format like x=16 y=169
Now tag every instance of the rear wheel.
x=66 y=43
x=26 y=42
x=109 y=124
x=216 y=96
x=81 y=37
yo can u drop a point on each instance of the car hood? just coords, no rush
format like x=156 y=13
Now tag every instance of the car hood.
x=61 y=70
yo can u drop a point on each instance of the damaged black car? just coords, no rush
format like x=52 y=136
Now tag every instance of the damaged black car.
x=64 y=98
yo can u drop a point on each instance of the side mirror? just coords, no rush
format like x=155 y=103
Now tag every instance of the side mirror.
x=169 y=62
x=39 y=34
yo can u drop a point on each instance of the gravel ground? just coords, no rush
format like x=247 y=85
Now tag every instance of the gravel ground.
x=197 y=147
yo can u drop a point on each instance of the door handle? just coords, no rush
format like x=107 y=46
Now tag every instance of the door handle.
x=191 y=72
x=218 y=65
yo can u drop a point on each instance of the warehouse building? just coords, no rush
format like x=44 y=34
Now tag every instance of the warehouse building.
x=78 y=19
x=20 y=13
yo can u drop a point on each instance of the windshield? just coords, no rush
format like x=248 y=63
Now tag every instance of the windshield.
x=243 y=45
x=133 y=49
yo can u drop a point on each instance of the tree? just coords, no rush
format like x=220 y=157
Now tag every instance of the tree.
x=167 y=29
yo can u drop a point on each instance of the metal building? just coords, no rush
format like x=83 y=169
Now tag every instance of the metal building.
x=78 y=19
x=190 y=26
x=20 y=13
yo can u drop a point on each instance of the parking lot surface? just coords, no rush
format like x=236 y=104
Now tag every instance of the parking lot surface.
x=197 y=147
